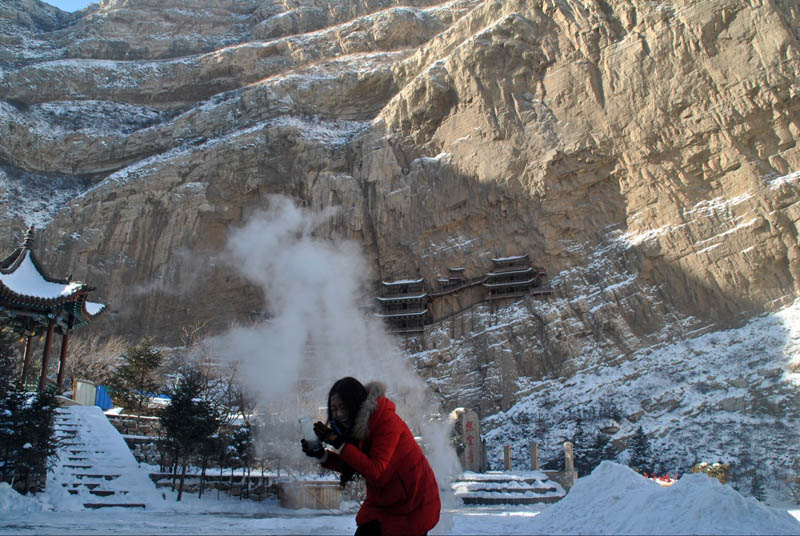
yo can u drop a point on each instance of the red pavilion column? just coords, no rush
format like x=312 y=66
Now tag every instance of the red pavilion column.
x=48 y=341
x=26 y=360
x=62 y=363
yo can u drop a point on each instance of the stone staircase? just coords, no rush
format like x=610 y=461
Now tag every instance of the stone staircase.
x=501 y=487
x=95 y=463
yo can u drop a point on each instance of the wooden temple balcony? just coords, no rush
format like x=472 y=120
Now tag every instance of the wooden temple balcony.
x=407 y=329
x=403 y=287
x=507 y=292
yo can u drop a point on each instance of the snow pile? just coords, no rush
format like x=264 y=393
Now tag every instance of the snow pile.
x=616 y=500
x=53 y=499
x=11 y=501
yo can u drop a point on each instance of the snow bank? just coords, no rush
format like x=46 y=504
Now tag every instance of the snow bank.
x=616 y=500
x=11 y=501
x=51 y=501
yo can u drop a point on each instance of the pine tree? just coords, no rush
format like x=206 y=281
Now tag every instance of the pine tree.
x=641 y=454
x=7 y=372
x=242 y=442
x=12 y=416
x=189 y=422
x=757 y=489
x=581 y=446
x=135 y=380
x=39 y=443
x=597 y=451
x=27 y=434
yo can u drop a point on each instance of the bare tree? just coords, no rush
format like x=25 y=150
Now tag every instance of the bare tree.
x=218 y=378
x=94 y=358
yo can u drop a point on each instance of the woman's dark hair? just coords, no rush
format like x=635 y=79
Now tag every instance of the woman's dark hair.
x=351 y=393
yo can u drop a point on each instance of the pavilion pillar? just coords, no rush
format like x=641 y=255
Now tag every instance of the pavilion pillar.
x=48 y=342
x=26 y=360
x=62 y=363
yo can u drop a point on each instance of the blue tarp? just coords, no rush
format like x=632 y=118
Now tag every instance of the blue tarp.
x=102 y=399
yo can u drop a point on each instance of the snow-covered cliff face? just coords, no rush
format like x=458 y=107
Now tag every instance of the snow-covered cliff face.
x=644 y=153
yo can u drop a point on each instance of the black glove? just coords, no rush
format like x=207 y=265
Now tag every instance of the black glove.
x=314 y=451
x=333 y=435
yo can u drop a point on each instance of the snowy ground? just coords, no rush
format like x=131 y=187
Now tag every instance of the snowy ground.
x=612 y=500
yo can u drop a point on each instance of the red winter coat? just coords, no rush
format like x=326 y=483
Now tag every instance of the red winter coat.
x=402 y=492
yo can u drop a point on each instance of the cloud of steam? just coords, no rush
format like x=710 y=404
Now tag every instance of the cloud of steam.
x=318 y=329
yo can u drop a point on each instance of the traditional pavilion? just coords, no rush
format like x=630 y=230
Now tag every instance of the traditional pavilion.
x=33 y=304
x=512 y=277
x=404 y=305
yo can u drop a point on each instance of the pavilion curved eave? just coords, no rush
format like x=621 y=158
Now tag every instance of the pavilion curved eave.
x=27 y=300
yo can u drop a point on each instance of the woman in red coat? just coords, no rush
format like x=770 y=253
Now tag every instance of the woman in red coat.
x=369 y=438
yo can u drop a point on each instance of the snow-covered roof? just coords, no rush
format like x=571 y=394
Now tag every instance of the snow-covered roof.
x=400 y=297
x=402 y=282
x=509 y=259
x=25 y=280
x=94 y=309
x=393 y=315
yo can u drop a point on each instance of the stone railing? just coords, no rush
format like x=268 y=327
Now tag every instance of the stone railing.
x=566 y=478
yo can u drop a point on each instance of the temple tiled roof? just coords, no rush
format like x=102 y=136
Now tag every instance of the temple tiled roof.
x=406 y=314
x=23 y=282
x=27 y=290
x=402 y=282
x=400 y=297
x=510 y=259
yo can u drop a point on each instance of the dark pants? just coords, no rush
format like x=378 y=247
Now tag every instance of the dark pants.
x=373 y=528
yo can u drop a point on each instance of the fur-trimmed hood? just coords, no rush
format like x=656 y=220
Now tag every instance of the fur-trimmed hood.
x=375 y=390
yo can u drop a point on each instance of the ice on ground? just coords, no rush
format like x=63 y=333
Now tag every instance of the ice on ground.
x=616 y=500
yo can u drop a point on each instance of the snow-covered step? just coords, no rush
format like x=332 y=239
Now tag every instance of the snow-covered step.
x=95 y=463
x=497 y=487
x=98 y=492
x=76 y=485
x=115 y=505
x=81 y=476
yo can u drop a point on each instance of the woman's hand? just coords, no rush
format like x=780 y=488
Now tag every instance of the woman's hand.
x=313 y=451
x=333 y=435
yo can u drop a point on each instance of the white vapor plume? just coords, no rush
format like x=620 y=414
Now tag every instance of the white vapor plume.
x=318 y=330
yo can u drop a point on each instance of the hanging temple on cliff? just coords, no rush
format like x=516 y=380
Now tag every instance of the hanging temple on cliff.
x=406 y=305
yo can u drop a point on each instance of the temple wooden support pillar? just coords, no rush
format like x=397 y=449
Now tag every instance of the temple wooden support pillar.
x=26 y=360
x=62 y=363
x=48 y=342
